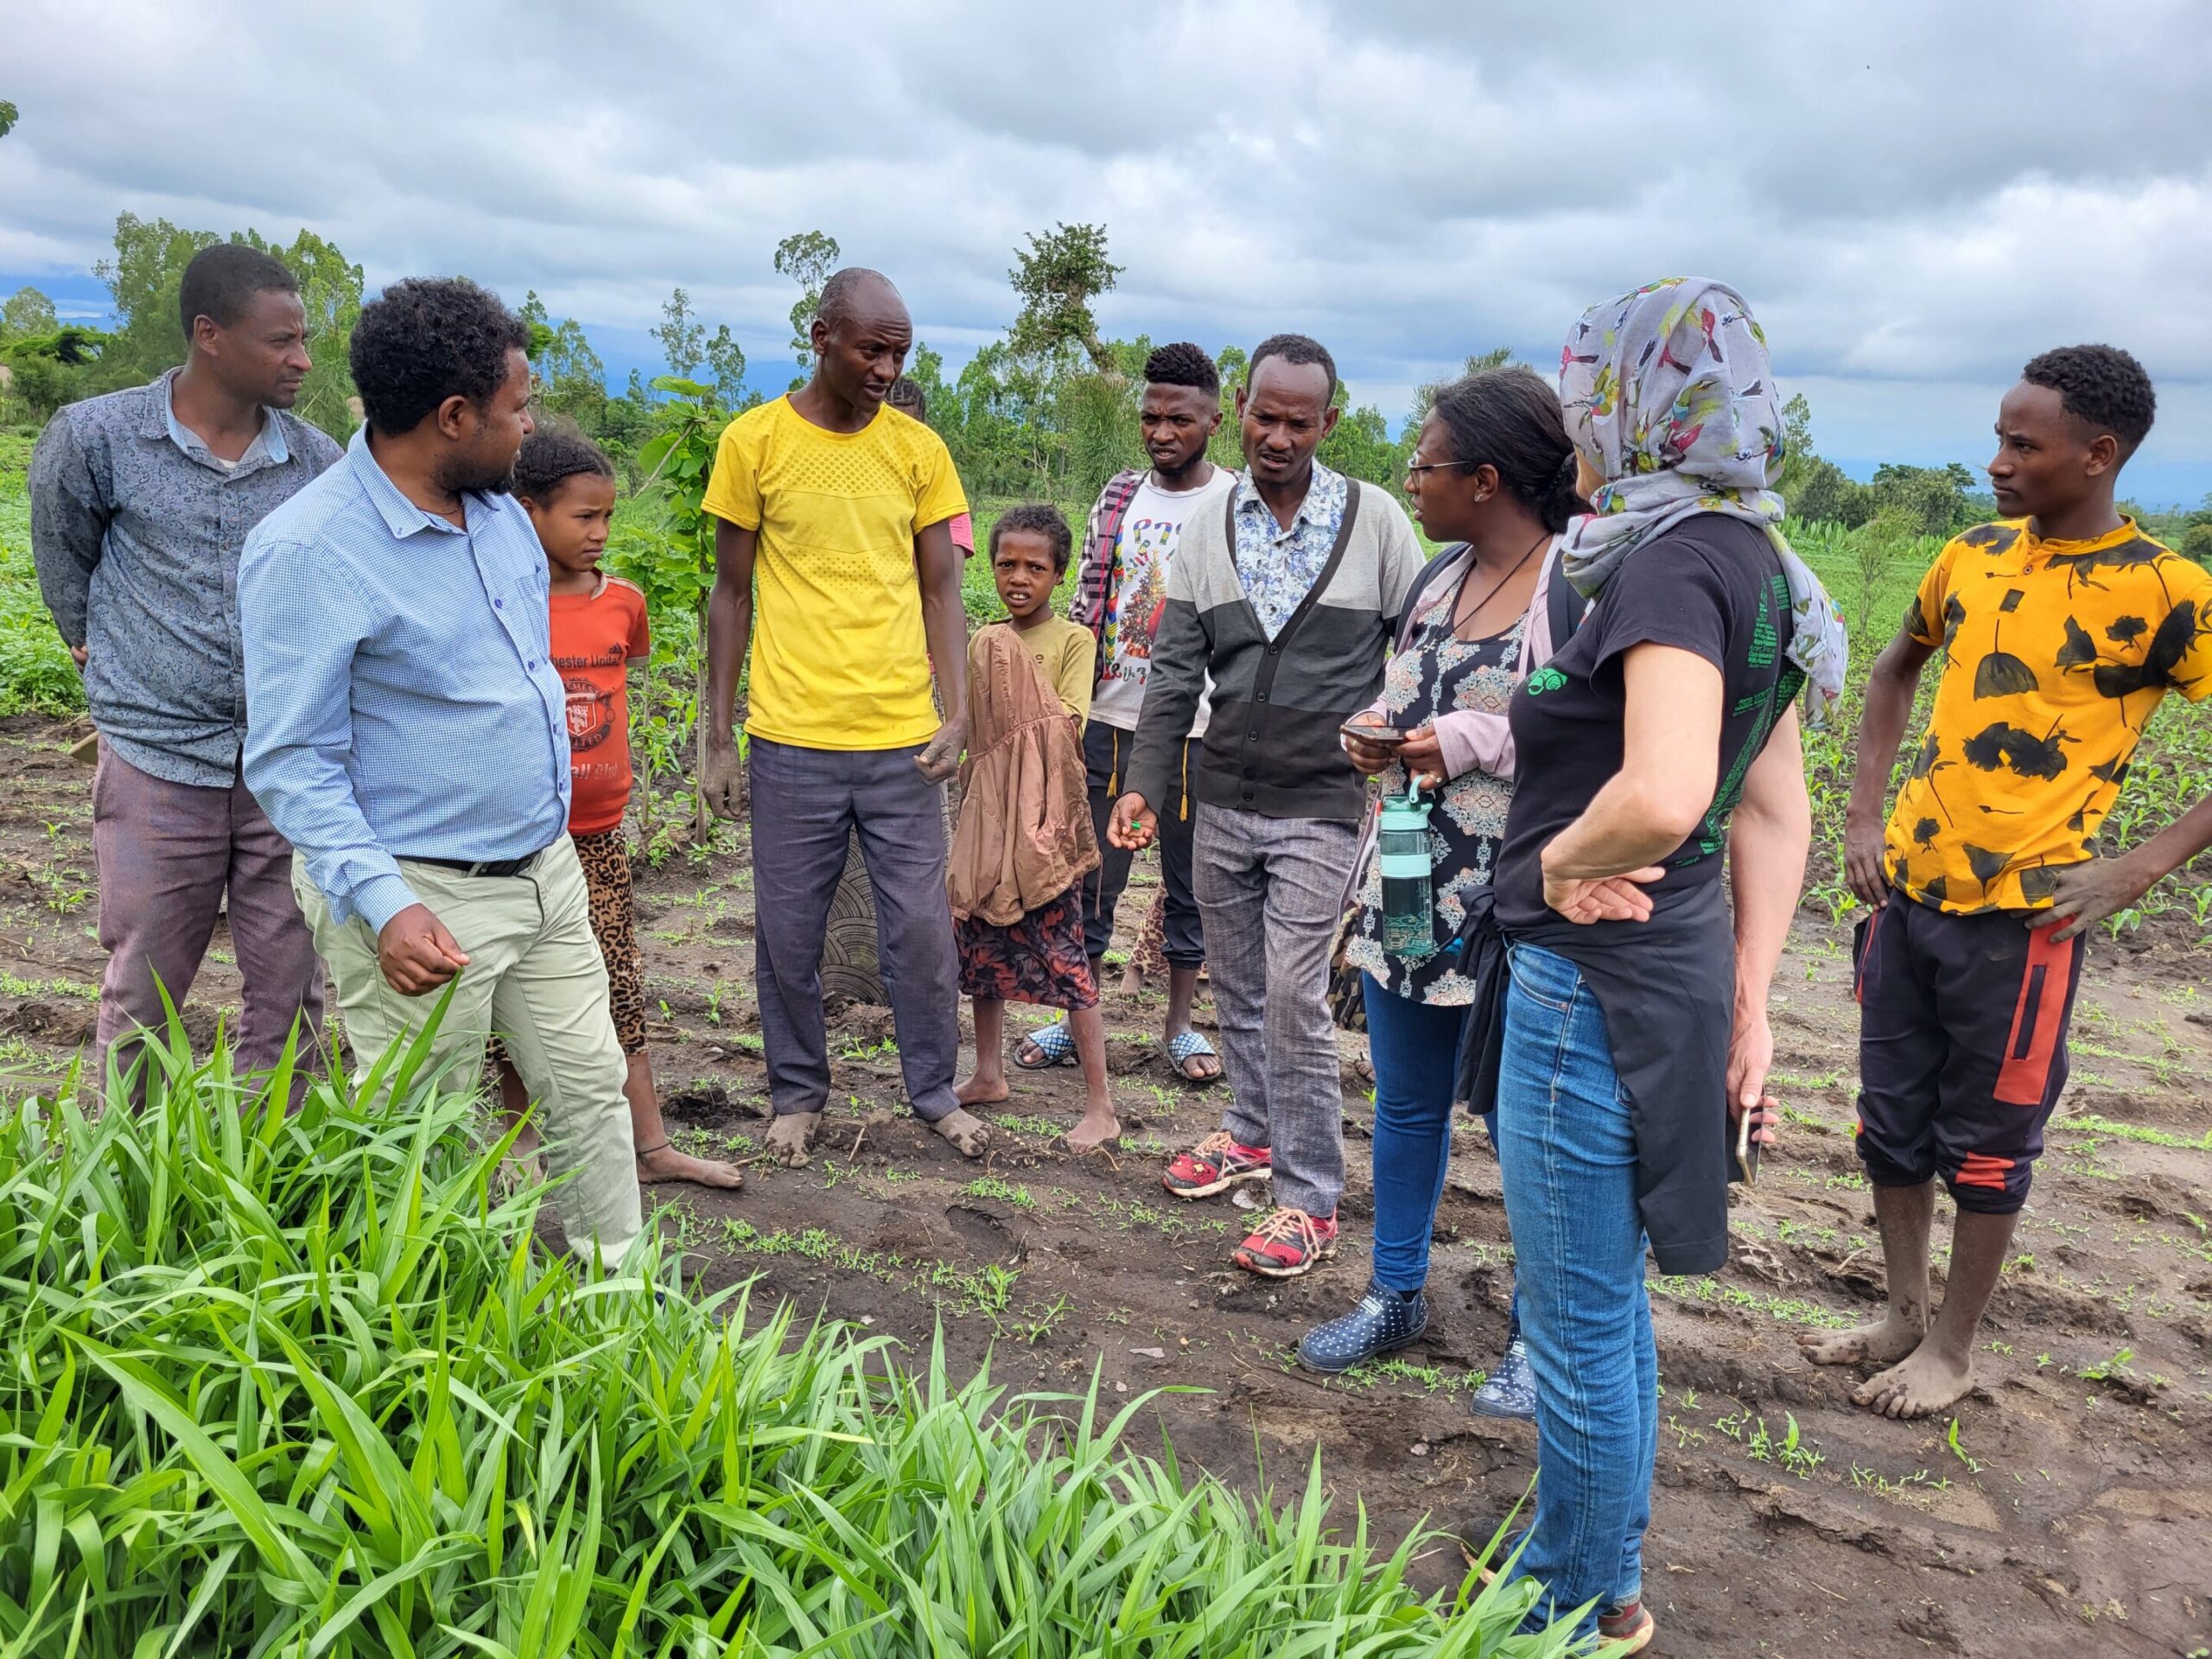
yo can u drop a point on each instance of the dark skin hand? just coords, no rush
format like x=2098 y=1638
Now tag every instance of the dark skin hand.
x=416 y=952
x=1882 y=721
x=2088 y=892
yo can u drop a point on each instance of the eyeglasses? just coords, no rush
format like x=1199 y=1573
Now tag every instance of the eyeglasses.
x=1431 y=465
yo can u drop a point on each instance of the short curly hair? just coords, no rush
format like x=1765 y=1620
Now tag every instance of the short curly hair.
x=1038 y=518
x=1183 y=365
x=2101 y=385
x=427 y=338
x=553 y=454
x=1301 y=349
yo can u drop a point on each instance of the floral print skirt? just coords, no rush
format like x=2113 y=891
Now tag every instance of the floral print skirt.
x=1037 y=959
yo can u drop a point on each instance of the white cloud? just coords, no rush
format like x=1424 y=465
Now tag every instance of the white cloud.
x=1913 y=196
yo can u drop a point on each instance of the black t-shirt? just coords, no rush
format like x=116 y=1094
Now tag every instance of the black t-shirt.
x=1711 y=585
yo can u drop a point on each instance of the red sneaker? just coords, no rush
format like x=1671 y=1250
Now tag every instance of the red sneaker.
x=1288 y=1243
x=1624 y=1630
x=1214 y=1164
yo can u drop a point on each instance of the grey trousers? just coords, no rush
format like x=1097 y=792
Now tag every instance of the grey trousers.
x=805 y=804
x=166 y=854
x=1268 y=890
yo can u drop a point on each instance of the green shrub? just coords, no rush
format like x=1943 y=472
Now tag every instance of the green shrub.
x=304 y=1385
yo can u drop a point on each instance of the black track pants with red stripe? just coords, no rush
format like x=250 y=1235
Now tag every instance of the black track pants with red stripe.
x=1961 y=1048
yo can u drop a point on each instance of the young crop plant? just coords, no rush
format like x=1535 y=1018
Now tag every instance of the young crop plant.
x=305 y=1383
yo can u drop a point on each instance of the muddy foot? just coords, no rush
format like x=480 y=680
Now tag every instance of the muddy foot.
x=666 y=1163
x=1884 y=1344
x=790 y=1139
x=967 y=1135
x=1094 y=1130
x=1927 y=1382
x=979 y=1091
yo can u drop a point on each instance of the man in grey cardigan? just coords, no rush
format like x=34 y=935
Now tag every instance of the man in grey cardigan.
x=1289 y=597
x=140 y=503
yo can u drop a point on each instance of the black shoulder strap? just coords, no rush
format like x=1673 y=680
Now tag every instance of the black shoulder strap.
x=1563 y=605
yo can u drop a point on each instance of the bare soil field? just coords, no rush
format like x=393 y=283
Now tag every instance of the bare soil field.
x=2066 y=1509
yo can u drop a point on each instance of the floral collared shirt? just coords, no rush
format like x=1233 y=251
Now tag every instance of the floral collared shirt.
x=1279 y=567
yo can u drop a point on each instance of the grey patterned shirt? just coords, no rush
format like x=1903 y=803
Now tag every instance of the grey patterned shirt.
x=135 y=529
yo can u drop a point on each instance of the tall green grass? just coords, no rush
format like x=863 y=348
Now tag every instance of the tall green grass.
x=304 y=1385
x=35 y=672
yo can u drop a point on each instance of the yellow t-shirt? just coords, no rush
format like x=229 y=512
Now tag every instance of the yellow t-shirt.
x=839 y=657
x=1068 y=656
x=2056 y=654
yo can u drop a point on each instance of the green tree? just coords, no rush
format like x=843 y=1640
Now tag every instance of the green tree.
x=807 y=257
x=141 y=278
x=681 y=335
x=330 y=291
x=26 y=312
x=1933 y=498
x=7 y=118
x=1425 y=395
x=1063 y=271
x=47 y=371
x=726 y=359
x=571 y=378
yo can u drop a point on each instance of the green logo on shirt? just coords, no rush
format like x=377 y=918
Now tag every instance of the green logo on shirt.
x=1545 y=679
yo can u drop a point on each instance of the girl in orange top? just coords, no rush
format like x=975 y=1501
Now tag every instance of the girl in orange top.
x=598 y=629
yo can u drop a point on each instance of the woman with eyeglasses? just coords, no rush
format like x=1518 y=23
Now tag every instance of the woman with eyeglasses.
x=1493 y=472
x=1662 y=777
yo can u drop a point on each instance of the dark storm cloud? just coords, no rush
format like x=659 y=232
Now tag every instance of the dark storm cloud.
x=1910 y=194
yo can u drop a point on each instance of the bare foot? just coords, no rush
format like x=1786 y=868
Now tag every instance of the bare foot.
x=966 y=1134
x=1869 y=1344
x=790 y=1139
x=1927 y=1382
x=666 y=1163
x=980 y=1091
x=1096 y=1127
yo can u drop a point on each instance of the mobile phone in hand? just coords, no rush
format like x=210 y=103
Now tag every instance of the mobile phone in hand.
x=1746 y=1163
x=1383 y=737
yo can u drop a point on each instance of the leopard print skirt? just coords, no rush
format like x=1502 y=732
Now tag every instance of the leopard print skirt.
x=606 y=860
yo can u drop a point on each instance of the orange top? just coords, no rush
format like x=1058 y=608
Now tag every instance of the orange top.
x=596 y=637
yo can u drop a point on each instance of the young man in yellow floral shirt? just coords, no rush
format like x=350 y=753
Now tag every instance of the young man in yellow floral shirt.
x=2062 y=627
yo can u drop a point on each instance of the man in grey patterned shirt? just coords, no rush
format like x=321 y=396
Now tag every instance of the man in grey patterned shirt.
x=140 y=503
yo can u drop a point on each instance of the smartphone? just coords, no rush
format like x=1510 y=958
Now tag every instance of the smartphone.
x=1747 y=1151
x=1383 y=737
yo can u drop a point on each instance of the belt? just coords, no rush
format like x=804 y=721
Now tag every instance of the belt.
x=493 y=866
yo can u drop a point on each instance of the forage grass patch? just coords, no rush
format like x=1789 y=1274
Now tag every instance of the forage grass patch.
x=305 y=1383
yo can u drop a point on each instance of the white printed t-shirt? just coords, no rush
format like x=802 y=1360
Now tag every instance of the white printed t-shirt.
x=1150 y=531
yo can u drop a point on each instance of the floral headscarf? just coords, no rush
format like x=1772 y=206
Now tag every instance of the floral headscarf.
x=1667 y=392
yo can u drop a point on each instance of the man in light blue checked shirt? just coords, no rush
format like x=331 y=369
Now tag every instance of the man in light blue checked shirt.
x=409 y=735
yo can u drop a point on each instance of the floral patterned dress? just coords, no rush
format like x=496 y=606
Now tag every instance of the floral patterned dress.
x=1438 y=673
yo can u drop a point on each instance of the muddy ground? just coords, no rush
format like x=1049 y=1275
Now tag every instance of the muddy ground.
x=2066 y=1509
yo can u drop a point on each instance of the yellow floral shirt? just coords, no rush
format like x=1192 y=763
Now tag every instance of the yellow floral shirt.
x=2055 y=655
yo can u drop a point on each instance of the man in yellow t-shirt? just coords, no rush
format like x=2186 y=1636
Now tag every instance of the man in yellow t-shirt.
x=2062 y=627
x=836 y=571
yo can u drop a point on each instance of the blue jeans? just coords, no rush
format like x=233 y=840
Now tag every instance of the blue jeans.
x=1568 y=1151
x=1415 y=1050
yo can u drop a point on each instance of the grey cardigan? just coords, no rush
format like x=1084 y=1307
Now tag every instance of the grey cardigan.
x=1272 y=745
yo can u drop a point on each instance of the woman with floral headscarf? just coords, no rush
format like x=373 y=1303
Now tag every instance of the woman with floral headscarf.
x=1662 y=737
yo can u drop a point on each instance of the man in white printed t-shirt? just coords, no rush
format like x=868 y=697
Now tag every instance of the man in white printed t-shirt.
x=1120 y=589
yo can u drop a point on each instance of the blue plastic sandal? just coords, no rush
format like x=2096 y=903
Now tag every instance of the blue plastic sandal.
x=1055 y=1042
x=1186 y=1045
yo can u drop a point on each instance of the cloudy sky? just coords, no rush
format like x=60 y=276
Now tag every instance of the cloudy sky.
x=1914 y=197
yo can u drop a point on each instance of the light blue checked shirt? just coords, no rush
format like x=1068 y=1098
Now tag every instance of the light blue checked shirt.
x=401 y=699
x=1279 y=567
